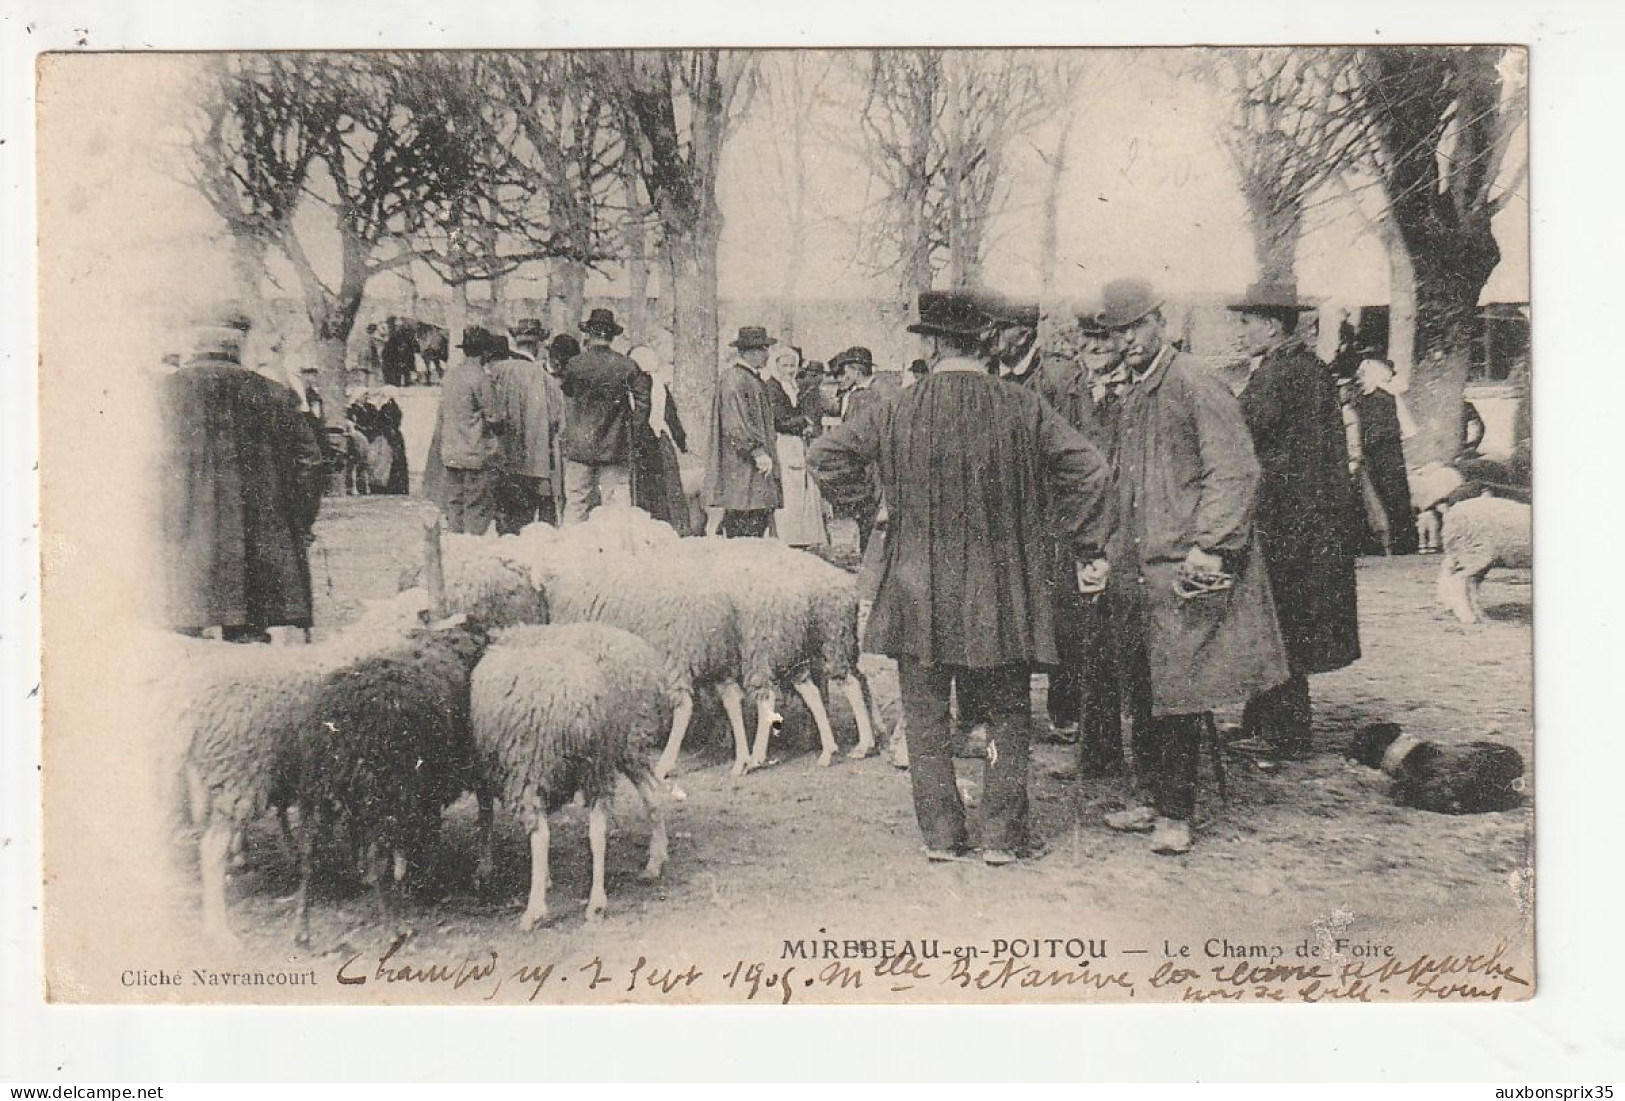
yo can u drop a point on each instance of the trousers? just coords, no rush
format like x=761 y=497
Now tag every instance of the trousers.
x=1001 y=694
x=587 y=485
x=742 y=523
x=471 y=503
x=521 y=500
x=1282 y=716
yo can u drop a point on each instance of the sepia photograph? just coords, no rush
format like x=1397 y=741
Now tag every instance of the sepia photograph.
x=857 y=526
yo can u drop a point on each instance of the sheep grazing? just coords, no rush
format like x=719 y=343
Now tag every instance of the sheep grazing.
x=1480 y=534
x=387 y=749
x=564 y=710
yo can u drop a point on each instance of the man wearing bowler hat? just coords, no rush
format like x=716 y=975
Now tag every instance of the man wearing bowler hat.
x=975 y=473
x=742 y=468
x=1308 y=517
x=605 y=394
x=1189 y=600
x=468 y=424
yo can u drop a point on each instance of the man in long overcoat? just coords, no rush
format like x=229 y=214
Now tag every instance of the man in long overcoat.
x=975 y=473
x=531 y=407
x=241 y=483
x=1308 y=518
x=742 y=467
x=1189 y=599
x=467 y=429
x=605 y=395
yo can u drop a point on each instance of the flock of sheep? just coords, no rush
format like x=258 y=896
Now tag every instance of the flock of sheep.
x=536 y=670
x=530 y=670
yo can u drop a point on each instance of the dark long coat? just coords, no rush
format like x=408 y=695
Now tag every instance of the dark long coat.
x=975 y=471
x=606 y=393
x=1308 y=518
x=241 y=483
x=1187 y=477
x=1382 y=446
x=741 y=429
x=657 y=479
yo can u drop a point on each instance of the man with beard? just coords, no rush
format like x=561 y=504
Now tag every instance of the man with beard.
x=1191 y=615
x=1307 y=516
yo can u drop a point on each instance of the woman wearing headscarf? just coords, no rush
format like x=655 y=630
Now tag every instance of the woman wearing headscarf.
x=800 y=523
x=1382 y=451
x=657 y=483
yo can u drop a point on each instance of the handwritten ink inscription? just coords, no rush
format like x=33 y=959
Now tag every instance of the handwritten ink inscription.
x=1337 y=969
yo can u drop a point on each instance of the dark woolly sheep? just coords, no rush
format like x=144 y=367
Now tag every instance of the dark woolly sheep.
x=387 y=749
x=565 y=710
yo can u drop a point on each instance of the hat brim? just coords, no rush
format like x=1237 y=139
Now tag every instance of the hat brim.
x=942 y=330
x=1112 y=324
x=1268 y=307
x=602 y=330
x=768 y=343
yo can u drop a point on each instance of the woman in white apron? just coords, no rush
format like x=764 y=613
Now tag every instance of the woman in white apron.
x=800 y=523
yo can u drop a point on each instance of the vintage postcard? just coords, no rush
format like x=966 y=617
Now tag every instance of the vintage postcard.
x=729 y=526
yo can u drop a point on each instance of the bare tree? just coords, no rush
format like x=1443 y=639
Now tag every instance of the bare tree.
x=372 y=138
x=677 y=109
x=937 y=125
x=1288 y=126
x=1443 y=123
x=792 y=87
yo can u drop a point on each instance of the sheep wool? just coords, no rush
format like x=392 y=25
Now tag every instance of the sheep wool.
x=389 y=749
x=566 y=709
x=1480 y=534
x=488 y=579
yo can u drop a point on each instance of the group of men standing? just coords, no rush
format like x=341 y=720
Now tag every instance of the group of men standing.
x=527 y=434
x=1172 y=538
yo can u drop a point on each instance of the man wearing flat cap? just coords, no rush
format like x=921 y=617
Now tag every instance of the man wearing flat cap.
x=467 y=428
x=742 y=467
x=976 y=474
x=1308 y=516
x=531 y=406
x=241 y=479
x=605 y=395
x=1189 y=599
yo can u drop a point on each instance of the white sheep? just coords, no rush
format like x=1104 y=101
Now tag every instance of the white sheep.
x=1479 y=534
x=672 y=604
x=485 y=578
x=564 y=710
x=798 y=622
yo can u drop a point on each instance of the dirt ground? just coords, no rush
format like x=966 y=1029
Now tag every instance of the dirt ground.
x=1316 y=849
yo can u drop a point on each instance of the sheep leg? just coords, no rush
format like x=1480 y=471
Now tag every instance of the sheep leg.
x=213 y=848
x=536 y=906
x=808 y=691
x=858 y=699
x=1452 y=590
x=767 y=705
x=733 y=702
x=485 y=864
x=656 y=801
x=598 y=840
x=680 y=716
x=1471 y=584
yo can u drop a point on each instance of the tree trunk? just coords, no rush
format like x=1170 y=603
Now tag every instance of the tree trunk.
x=695 y=341
x=1445 y=313
x=567 y=290
x=1401 y=306
x=456 y=319
x=1050 y=244
x=332 y=317
x=248 y=270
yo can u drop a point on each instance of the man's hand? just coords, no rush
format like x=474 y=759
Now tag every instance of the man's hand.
x=1200 y=561
x=1092 y=576
x=764 y=463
